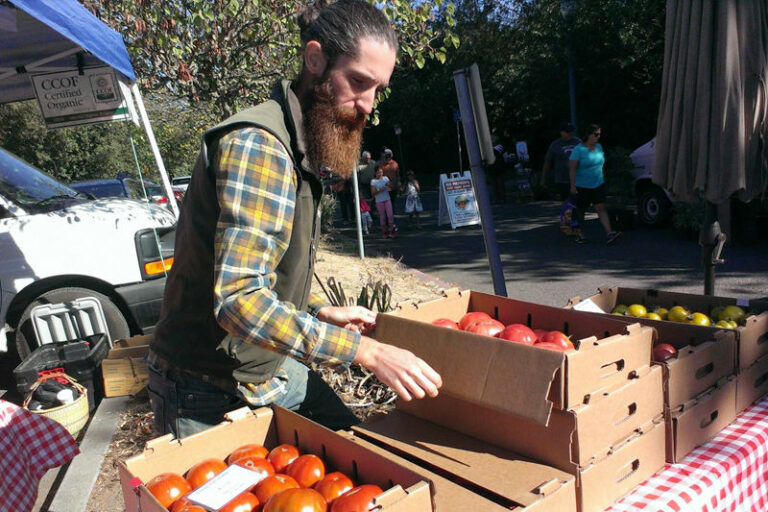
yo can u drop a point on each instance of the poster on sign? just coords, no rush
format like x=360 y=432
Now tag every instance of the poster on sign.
x=84 y=96
x=457 y=202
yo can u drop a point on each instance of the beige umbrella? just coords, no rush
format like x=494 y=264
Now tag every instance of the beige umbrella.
x=712 y=133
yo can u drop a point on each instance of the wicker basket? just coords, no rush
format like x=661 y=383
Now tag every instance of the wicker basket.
x=72 y=416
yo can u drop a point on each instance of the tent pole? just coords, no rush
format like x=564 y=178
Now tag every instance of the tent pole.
x=155 y=150
x=711 y=240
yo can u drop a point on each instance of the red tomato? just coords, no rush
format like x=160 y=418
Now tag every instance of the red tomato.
x=180 y=504
x=333 y=485
x=518 y=333
x=246 y=502
x=540 y=333
x=306 y=469
x=282 y=455
x=558 y=338
x=191 y=508
x=168 y=487
x=444 y=322
x=204 y=470
x=359 y=499
x=273 y=485
x=296 y=500
x=550 y=346
x=259 y=465
x=248 y=450
x=663 y=351
x=473 y=317
x=485 y=327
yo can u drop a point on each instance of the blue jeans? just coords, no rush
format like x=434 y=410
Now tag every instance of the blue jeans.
x=183 y=404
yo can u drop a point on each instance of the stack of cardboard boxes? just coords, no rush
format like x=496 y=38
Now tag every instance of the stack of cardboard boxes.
x=595 y=413
x=716 y=374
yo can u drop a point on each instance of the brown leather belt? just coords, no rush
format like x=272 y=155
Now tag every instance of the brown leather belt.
x=224 y=383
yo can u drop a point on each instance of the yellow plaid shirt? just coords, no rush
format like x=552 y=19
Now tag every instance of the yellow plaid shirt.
x=256 y=188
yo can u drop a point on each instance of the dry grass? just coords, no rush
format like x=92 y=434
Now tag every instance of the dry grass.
x=358 y=387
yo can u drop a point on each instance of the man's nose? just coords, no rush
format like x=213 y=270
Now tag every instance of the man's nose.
x=365 y=101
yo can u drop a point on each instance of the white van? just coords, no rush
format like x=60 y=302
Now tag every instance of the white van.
x=57 y=245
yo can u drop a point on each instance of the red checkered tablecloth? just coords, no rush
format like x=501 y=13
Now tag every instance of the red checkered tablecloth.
x=729 y=473
x=30 y=445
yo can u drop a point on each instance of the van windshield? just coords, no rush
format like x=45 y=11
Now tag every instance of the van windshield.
x=30 y=188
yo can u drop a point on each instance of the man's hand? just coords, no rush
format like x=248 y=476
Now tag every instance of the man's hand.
x=399 y=369
x=354 y=318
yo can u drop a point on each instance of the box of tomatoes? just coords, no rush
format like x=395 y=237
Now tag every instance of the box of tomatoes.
x=269 y=459
x=746 y=318
x=522 y=358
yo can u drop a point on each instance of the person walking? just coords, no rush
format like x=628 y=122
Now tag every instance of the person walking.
x=238 y=324
x=380 y=189
x=391 y=169
x=557 y=158
x=413 y=205
x=587 y=183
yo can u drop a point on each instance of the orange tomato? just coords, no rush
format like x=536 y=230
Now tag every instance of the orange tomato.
x=204 y=470
x=248 y=450
x=359 y=499
x=246 y=502
x=168 y=487
x=333 y=485
x=296 y=500
x=307 y=469
x=282 y=455
x=273 y=485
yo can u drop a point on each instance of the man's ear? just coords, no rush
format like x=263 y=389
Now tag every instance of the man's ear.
x=314 y=58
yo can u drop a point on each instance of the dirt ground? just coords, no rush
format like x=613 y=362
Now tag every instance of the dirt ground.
x=362 y=392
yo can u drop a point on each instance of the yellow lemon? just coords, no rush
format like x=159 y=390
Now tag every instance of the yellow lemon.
x=662 y=312
x=620 y=309
x=723 y=324
x=653 y=316
x=734 y=313
x=732 y=324
x=637 y=310
x=678 y=314
x=700 y=319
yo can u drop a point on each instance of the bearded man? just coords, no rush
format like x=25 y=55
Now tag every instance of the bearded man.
x=238 y=323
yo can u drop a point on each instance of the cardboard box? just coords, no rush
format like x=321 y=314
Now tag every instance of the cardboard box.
x=405 y=489
x=124 y=370
x=573 y=438
x=488 y=467
x=506 y=478
x=513 y=377
x=698 y=368
x=752 y=384
x=752 y=338
x=699 y=420
x=555 y=495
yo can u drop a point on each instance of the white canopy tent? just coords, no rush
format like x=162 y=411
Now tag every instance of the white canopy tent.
x=46 y=36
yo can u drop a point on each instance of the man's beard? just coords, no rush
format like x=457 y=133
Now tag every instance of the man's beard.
x=333 y=135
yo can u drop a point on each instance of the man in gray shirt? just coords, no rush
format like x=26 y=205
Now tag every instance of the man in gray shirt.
x=557 y=156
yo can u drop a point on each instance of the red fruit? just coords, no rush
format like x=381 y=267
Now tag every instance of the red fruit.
x=663 y=351
x=168 y=487
x=307 y=469
x=550 y=346
x=359 y=499
x=296 y=500
x=246 y=502
x=273 y=485
x=540 y=333
x=558 y=338
x=473 y=317
x=261 y=466
x=444 y=322
x=203 y=471
x=333 y=485
x=248 y=450
x=485 y=327
x=190 y=508
x=282 y=455
x=180 y=504
x=518 y=333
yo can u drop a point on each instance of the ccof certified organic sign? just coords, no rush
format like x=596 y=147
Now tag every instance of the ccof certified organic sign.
x=71 y=97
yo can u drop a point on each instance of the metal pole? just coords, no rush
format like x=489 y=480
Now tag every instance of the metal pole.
x=458 y=142
x=360 y=245
x=711 y=240
x=478 y=180
x=571 y=82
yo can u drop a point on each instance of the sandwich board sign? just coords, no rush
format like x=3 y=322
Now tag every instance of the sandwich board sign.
x=88 y=95
x=457 y=202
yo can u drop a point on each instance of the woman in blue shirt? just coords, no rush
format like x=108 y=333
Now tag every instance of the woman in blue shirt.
x=587 y=183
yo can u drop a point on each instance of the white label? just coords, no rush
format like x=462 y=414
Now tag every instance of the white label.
x=588 y=305
x=224 y=487
x=743 y=303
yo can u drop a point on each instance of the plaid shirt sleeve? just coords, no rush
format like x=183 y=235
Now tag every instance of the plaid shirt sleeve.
x=256 y=188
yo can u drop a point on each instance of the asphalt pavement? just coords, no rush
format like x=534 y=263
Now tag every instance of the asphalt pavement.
x=541 y=265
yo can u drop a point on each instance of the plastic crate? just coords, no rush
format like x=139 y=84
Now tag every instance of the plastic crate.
x=81 y=360
x=69 y=321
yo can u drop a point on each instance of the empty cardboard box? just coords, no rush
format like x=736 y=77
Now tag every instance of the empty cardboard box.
x=124 y=370
x=521 y=379
x=752 y=384
x=405 y=489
